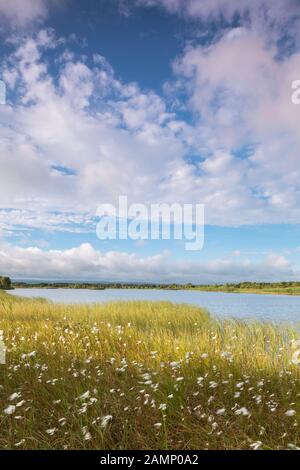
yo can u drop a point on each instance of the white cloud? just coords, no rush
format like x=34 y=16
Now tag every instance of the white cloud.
x=91 y=264
x=71 y=222
x=241 y=94
x=90 y=123
x=258 y=10
x=113 y=138
x=22 y=13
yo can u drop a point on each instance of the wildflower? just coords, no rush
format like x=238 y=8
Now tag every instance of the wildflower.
x=256 y=445
x=242 y=411
x=105 y=420
x=20 y=403
x=213 y=384
x=51 y=431
x=293 y=447
x=220 y=412
x=10 y=410
x=18 y=444
x=296 y=357
x=290 y=413
x=227 y=355
x=295 y=343
x=158 y=425
x=14 y=396
x=174 y=364
x=146 y=377
x=162 y=406
x=84 y=396
x=86 y=434
x=258 y=399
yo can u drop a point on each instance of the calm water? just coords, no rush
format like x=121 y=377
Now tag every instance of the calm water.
x=276 y=308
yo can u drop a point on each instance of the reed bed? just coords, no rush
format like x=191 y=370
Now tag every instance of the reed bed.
x=144 y=375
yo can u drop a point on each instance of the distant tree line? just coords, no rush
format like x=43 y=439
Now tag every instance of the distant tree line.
x=95 y=286
x=262 y=285
x=227 y=287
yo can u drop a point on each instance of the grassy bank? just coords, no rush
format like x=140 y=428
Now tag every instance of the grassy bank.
x=271 y=290
x=144 y=375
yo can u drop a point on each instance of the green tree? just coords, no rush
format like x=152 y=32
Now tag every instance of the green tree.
x=5 y=283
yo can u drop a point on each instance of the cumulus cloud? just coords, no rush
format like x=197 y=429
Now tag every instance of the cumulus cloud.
x=22 y=13
x=241 y=94
x=255 y=10
x=89 y=123
x=63 y=142
x=84 y=262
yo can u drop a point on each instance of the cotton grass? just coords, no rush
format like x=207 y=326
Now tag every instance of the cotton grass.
x=144 y=375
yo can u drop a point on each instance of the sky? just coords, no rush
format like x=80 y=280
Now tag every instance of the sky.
x=163 y=101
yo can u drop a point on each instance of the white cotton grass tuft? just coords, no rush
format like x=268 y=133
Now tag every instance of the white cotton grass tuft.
x=105 y=420
x=290 y=413
x=86 y=434
x=10 y=410
x=84 y=396
x=20 y=443
x=243 y=411
x=256 y=445
x=14 y=396
x=51 y=431
x=158 y=425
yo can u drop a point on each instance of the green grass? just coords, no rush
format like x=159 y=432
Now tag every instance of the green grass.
x=251 y=290
x=161 y=371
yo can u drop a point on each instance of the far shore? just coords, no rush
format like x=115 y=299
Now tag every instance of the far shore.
x=281 y=288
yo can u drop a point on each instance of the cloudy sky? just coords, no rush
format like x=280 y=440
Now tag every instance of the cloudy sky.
x=174 y=101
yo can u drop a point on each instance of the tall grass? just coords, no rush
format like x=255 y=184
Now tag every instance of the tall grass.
x=144 y=375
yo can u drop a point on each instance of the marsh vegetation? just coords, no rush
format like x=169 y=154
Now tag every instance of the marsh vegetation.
x=144 y=375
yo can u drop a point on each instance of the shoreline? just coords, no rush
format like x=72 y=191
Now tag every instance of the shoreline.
x=76 y=286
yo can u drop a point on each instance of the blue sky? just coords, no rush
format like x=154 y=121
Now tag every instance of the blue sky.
x=164 y=101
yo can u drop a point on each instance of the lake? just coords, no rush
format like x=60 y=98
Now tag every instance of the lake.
x=276 y=308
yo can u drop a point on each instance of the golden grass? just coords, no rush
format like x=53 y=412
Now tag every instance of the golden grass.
x=144 y=375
